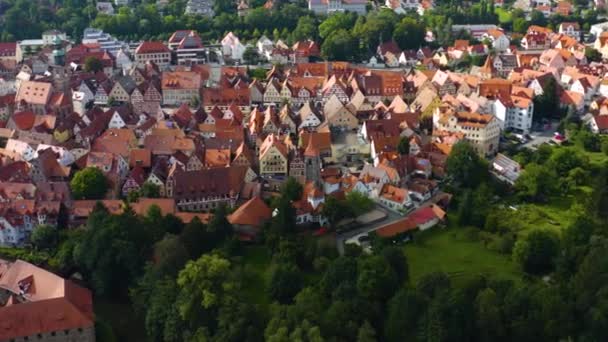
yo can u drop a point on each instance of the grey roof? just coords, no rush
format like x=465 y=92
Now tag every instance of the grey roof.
x=506 y=168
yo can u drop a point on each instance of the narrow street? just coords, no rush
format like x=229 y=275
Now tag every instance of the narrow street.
x=390 y=218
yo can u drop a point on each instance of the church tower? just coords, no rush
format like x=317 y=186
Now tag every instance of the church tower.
x=58 y=51
x=312 y=160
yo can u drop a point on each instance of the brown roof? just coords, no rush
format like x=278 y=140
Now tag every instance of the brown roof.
x=402 y=226
x=253 y=213
x=181 y=80
x=166 y=205
x=52 y=303
x=273 y=140
x=83 y=208
x=24 y=120
x=33 y=92
x=321 y=141
x=141 y=157
x=194 y=184
x=152 y=47
x=187 y=217
x=46 y=316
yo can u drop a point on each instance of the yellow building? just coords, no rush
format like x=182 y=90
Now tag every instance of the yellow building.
x=481 y=130
x=274 y=157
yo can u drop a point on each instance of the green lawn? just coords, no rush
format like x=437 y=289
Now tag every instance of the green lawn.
x=448 y=250
x=554 y=215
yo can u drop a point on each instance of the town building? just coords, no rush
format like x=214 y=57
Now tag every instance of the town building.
x=201 y=7
x=37 y=305
x=482 y=130
x=105 y=40
x=180 y=87
x=325 y=7
x=155 y=52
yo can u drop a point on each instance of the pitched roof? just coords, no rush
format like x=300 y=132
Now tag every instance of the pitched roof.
x=52 y=303
x=401 y=226
x=151 y=47
x=46 y=316
x=252 y=213
x=166 y=205
x=24 y=120
x=141 y=157
x=273 y=140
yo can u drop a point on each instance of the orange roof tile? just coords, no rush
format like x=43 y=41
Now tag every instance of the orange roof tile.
x=252 y=213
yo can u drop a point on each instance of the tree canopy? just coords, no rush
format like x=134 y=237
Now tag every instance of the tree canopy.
x=465 y=166
x=89 y=183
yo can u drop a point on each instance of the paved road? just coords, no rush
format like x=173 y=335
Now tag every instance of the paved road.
x=390 y=218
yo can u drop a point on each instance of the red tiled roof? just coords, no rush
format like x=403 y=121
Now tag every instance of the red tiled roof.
x=253 y=213
x=395 y=228
x=601 y=121
x=152 y=47
x=8 y=49
x=423 y=215
x=52 y=315
x=24 y=120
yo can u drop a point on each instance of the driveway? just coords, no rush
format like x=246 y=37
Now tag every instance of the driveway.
x=352 y=235
x=539 y=138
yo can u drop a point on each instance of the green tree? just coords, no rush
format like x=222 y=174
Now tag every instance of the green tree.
x=285 y=283
x=489 y=318
x=404 y=146
x=133 y=196
x=396 y=259
x=340 y=276
x=337 y=21
x=546 y=106
x=537 y=252
x=536 y=182
x=194 y=238
x=464 y=165
x=306 y=29
x=239 y=322
x=404 y=312
x=93 y=64
x=538 y=18
x=284 y=222
x=170 y=255
x=358 y=204
x=589 y=141
x=112 y=250
x=604 y=146
x=251 y=56
x=563 y=160
x=334 y=210
x=339 y=46
x=89 y=183
x=205 y=285
x=592 y=54
x=154 y=300
x=377 y=279
x=409 y=33
x=291 y=189
x=149 y=190
x=366 y=333
x=45 y=237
